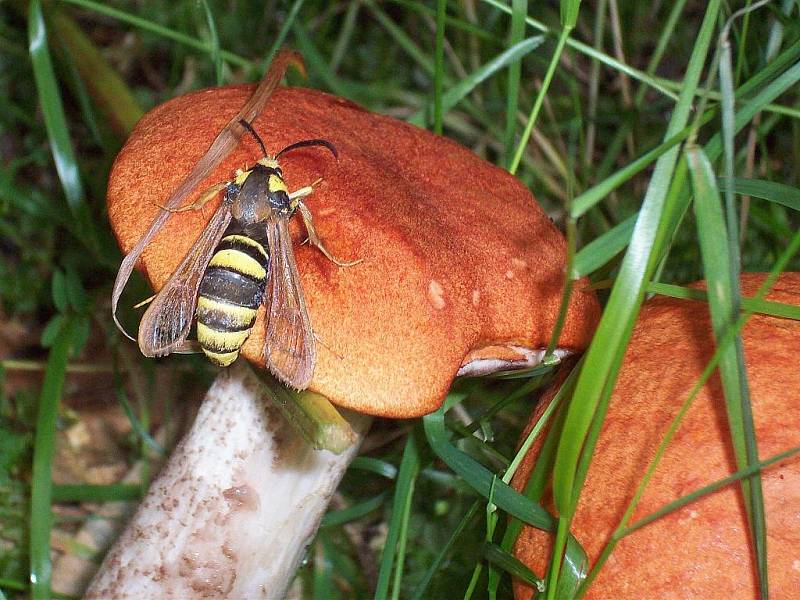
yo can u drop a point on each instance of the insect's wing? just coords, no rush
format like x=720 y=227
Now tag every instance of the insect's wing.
x=167 y=321
x=289 y=349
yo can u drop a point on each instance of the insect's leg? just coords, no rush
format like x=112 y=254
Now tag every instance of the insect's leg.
x=305 y=191
x=231 y=192
x=204 y=198
x=188 y=347
x=145 y=301
x=314 y=240
x=322 y=343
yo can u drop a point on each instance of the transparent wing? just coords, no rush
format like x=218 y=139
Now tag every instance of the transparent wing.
x=167 y=321
x=289 y=349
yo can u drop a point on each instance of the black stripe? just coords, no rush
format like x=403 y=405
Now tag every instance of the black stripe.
x=210 y=345
x=216 y=360
x=233 y=244
x=219 y=320
x=231 y=287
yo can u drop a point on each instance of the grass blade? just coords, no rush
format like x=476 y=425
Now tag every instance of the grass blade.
x=121 y=492
x=588 y=199
x=779 y=193
x=56 y=124
x=537 y=105
x=400 y=37
x=281 y=37
x=569 y=12
x=597 y=377
x=666 y=34
x=352 y=513
x=159 y=30
x=717 y=251
x=480 y=478
x=216 y=56
x=495 y=555
x=422 y=587
x=605 y=59
x=345 y=36
x=722 y=346
x=107 y=89
x=459 y=91
x=708 y=489
x=311 y=414
x=519 y=10
x=599 y=251
x=587 y=261
x=395 y=543
x=502 y=496
x=438 y=73
x=764 y=307
x=323 y=585
x=747 y=110
x=43 y=452
x=374 y=465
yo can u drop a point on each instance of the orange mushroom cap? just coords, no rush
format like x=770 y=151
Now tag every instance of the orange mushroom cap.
x=702 y=550
x=457 y=255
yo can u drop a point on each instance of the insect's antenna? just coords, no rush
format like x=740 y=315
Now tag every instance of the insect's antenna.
x=252 y=131
x=305 y=143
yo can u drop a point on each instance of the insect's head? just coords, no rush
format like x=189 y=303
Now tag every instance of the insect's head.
x=278 y=197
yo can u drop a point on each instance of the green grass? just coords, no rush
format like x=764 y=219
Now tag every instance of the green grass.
x=638 y=140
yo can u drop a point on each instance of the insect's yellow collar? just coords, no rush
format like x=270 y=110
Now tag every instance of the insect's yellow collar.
x=241 y=176
x=269 y=162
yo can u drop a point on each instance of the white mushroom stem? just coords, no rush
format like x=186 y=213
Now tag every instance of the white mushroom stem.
x=234 y=509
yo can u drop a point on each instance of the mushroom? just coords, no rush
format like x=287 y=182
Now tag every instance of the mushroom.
x=461 y=272
x=702 y=550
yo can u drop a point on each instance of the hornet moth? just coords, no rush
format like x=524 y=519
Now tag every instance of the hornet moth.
x=243 y=258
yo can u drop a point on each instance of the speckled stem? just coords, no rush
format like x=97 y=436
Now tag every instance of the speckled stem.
x=233 y=511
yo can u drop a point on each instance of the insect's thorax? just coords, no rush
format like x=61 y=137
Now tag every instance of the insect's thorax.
x=262 y=194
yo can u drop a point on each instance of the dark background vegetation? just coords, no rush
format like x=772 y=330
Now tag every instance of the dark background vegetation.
x=74 y=391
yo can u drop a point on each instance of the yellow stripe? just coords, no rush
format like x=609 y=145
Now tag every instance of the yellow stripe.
x=276 y=184
x=221 y=341
x=241 y=176
x=243 y=239
x=223 y=359
x=238 y=262
x=239 y=316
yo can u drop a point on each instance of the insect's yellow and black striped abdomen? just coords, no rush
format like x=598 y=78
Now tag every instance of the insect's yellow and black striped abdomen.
x=230 y=293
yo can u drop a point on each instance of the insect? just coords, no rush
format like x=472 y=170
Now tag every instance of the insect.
x=243 y=258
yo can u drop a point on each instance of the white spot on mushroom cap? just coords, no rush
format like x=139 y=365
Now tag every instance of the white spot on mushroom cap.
x=509 y=274
x=519 y=263
x=436 y=295
x=690 y=515
x=476 y=297
x=796 y=565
